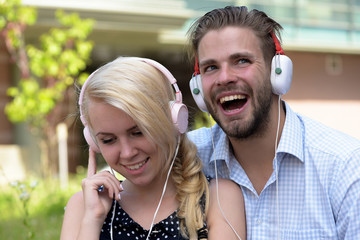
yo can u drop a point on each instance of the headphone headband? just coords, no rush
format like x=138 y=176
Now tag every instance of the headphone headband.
x=278 y=47
x=167 y=74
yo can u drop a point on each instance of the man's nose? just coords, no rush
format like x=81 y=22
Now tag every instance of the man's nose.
x=226 y=75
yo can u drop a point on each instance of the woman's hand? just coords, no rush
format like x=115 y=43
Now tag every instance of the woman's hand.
x=99 y=190
x=86 y=211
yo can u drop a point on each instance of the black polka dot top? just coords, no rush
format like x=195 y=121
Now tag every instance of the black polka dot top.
x=124 y=227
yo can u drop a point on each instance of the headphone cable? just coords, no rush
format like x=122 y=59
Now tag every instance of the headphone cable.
x=277 y=172
x=164 y=188
x=217 y=183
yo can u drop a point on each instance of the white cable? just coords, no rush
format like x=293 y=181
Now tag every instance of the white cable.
x=164 y=188
x=276 y=173
x=217 y=183
x=112 y=219
x=113 y=212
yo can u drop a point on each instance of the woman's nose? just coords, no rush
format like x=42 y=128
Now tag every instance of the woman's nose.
x=127 y=149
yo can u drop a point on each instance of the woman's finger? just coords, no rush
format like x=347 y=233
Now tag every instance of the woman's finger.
x=91 y=163
x=105 y=183
x=111 y=184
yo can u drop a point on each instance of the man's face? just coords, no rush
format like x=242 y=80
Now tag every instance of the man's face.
x=235 y=80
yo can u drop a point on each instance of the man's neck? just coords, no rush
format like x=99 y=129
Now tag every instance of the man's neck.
x=256 y=154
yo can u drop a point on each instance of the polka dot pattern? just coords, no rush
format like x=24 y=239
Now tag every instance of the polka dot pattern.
x=124 y=227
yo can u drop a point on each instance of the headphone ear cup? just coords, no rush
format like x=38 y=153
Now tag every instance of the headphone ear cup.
x=90 y=140
x=180 y=116
x=281 y=74
x=197 y=92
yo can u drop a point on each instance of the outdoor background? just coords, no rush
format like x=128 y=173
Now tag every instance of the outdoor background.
x=43 y=155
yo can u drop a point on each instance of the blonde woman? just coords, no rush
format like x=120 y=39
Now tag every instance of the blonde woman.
x=133 y=118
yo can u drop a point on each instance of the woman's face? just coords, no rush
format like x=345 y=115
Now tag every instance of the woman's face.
x=123 y=145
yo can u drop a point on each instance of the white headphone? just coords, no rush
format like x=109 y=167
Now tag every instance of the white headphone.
x=280 y=76
x=179 y=111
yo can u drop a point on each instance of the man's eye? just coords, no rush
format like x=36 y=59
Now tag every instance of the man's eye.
x=209 y=68
x=244 y=60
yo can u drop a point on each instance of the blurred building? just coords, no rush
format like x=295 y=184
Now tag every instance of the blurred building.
x=322 y=37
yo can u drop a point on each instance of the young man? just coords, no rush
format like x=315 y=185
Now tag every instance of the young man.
x=300 y=179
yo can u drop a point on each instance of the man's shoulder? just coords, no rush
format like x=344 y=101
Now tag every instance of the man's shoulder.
x=318 y=134
x=322 y=136
x=203 y=135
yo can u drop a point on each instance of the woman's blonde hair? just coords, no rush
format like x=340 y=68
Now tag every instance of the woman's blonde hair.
x=144 y=93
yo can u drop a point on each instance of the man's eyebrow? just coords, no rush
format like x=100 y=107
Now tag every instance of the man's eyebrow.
x=207 y=62
x=241 y=54
x=233 y=56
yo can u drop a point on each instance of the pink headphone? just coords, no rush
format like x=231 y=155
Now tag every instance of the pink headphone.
x=179 y=111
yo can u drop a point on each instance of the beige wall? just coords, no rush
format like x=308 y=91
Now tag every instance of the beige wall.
x=326 y=87
x=325 y=76
x=341 y=115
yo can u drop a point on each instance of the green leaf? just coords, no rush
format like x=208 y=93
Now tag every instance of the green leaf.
x=27 y=15
x=29 y=87
x=59 y=36
x=12 y=91
x=2 y=22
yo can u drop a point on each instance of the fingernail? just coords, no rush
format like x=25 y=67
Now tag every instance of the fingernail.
x=121 y=187
x=119 y=196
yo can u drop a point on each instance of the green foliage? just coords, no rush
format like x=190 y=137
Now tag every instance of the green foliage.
x=43 y=211
x=62 y=55
x=64 y=51
x=13 y=11
x=13 y=19
x=48 y=69
x=24 y=194
x=203 y=120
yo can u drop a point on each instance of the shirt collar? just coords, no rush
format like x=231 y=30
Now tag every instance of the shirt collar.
x=291 y=140
x=222 y=147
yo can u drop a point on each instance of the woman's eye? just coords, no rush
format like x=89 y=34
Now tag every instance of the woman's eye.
x=137 y=133
x=107 y=140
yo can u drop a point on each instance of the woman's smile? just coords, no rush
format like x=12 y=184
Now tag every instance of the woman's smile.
x=137 y=165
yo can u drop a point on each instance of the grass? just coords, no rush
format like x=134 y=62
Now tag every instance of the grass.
x=34 y=209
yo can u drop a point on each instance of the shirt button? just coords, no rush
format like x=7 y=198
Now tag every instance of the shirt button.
x=258 y=221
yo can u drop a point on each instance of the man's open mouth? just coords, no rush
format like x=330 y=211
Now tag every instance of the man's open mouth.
x=233 y=102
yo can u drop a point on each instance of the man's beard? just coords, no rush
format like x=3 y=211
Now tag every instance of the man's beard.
x=256 y=125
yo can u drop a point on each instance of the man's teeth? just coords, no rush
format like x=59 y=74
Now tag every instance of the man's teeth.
x=137 y=166
x=231 y=98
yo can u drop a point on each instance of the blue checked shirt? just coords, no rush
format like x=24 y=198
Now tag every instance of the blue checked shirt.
x=319 y=182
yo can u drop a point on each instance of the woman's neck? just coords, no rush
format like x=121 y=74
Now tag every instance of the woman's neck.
x=141 y=202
